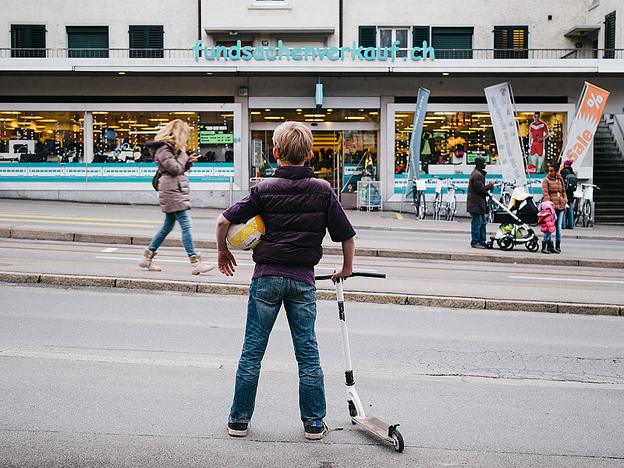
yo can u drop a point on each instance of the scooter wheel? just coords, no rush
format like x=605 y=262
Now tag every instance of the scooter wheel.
x=399 y=445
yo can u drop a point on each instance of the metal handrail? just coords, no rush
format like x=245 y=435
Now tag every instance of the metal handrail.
x=169 y=54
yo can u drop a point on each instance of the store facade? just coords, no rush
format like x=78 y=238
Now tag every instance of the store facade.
x=94 y=151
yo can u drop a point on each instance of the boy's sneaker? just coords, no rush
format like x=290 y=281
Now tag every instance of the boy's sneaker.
x=237 y=429
x=316 y=432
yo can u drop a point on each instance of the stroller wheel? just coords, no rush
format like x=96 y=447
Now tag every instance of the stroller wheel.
x=532 y=245
x=489 y=244
x=506 y=243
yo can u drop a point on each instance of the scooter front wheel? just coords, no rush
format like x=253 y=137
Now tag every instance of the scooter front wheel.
x=399 y=445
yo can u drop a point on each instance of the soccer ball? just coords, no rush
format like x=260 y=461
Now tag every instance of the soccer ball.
x=247 y=235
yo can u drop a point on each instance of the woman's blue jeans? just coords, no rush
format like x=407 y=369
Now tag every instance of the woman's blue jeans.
x=559 y=224
x=184 y=219
x=266 y=296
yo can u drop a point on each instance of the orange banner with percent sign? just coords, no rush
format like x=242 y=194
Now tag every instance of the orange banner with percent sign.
x=583 y=128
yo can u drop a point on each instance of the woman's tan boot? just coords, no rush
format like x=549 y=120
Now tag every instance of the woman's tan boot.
x=148 y=261
x=198 y=266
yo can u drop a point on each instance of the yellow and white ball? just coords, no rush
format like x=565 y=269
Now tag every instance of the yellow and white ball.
x=247 y=235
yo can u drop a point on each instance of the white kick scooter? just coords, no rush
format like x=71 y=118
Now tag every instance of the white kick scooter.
x=386 y=432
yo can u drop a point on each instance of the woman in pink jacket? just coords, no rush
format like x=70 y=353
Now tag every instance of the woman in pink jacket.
x=174 y=192
x=547 y=217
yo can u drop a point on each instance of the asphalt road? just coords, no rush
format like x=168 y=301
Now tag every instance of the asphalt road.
x=101 y=378
x=405 y=276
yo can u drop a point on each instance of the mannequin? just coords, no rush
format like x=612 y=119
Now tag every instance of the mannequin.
x=538 y=133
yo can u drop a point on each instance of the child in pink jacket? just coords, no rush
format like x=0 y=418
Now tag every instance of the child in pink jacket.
x=547 y=218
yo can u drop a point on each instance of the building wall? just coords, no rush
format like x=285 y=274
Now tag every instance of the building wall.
x=482 y=14
x=306 y=14
x=179 y=19
x=596 y=15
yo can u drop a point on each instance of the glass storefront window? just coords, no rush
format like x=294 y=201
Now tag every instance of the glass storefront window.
x=457 y=138
x=120 y=137
x=41 y=136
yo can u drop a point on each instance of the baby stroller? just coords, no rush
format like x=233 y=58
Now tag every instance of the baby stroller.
x=515 y=222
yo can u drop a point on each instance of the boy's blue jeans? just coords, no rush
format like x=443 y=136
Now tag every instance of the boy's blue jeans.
x=184 y=220
x=266 y=296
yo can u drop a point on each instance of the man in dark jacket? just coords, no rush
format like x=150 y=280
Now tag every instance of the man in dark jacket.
x=476 y=203
x=297 y=210
x=571 y=183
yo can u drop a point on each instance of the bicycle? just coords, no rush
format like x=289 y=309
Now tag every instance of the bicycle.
x=584 y=205
x=450 y=200
x=445 y=202
x=418 y=198
x=437 y=201
x=504 y=198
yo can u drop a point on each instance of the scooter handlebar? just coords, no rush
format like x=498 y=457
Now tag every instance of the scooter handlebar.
x=365 y=274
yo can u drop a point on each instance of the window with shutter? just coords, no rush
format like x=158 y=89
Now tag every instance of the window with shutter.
x=367 y=36
x=87 y=41
x=452 y=43
x=420 y=34
x=609 y=46
x=511 y=42
x=26 y=39
x=146 y=41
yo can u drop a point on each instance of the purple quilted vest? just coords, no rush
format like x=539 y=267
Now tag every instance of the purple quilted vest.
x=294 y=206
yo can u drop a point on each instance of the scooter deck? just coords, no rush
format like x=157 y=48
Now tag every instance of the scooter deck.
x=374 y=425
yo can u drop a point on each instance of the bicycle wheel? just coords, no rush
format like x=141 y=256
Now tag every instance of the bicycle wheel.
x=451 y=208
x=587 y=214
x=577 y=212
x=437 y=207
x=421 y=210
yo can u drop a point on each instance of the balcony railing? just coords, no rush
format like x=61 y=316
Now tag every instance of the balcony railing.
x=441 y=54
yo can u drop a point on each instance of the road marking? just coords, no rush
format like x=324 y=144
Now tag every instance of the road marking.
x=77 y=218
x=109 y=249
x=166 y=260
x=564 y=280
x=398 y=215
x=46 y=221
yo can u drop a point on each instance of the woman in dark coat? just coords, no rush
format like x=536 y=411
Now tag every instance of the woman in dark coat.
x=169 y=152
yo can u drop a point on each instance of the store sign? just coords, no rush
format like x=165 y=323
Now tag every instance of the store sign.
x=506 y=133
x=592 y=103
x=215 y=137
x=280 y=52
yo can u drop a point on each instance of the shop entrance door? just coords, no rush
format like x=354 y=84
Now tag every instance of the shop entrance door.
x=340 y=156
x=328 y=158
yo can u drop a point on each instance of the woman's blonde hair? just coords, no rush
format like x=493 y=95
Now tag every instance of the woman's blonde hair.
x=176 y=133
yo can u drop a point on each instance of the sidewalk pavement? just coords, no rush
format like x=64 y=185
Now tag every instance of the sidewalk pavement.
x=362 y=220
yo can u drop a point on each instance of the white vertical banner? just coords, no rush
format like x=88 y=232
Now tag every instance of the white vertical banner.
x=506 y=133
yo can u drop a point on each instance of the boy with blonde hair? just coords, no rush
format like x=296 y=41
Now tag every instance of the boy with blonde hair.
x=297 y=210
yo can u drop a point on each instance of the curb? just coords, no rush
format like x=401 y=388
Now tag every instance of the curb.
x=451 y=302
x=453 y=231
x=426 y=230
x=362 y=252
